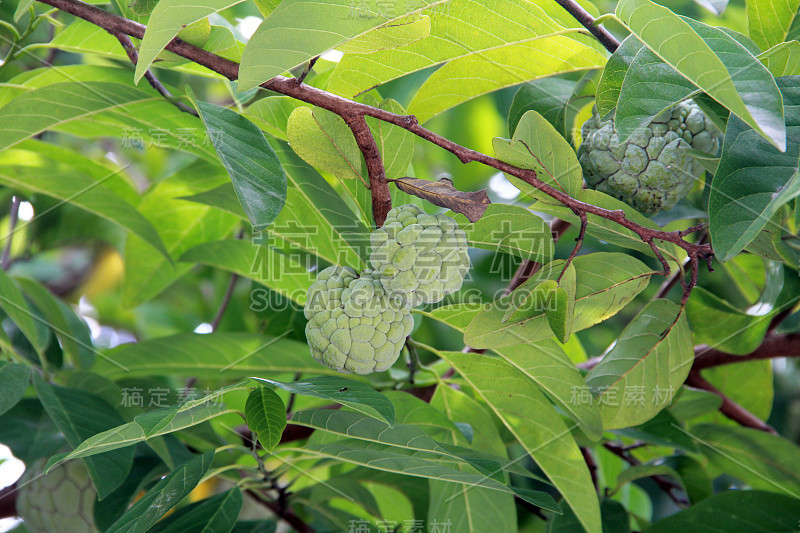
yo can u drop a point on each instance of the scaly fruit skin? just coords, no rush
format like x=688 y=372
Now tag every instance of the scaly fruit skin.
x=420 y=257
x=353 y=325
x=62 y=501
x=652 y=170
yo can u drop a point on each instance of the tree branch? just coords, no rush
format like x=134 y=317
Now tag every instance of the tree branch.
x=343 y=106
x=588 y=21
x=772 y=347
x=663 y=483
x=729 y=408
x=378 y=186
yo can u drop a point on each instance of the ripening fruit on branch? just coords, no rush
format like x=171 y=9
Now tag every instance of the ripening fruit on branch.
x=353 y=325
x=62 y=501
x=419 y=257
x=653 y=169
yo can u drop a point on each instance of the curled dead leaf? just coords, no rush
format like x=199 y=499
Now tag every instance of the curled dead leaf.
x=442 y=193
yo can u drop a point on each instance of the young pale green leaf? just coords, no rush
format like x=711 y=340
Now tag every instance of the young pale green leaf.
x=80 y=415
x=216 y=514
x=164 y=495
x=648 y=362
x=222 y=197
x=14 y=379
x=468 y=77
x=254 y=168
x=272 y=114
x=721 y=326
x=282 y=273
x=536 y=425
x=167 y=19
x=736 y=511
x=265 y=414
x=213 y=356
x=72 y=332
x=760 y=459
x=753 y=179
x=13 y=303
x=702 y=60
x=605 y=283
x=769 y=22
x=298 y=30
x=510 y=229
x=353 y=394
x=782 y=59
x=560 y=310
x=537 y=145
x=610 y=85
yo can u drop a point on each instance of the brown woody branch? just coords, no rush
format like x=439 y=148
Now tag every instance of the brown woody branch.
x=729 y=408
x=343 y=106
x=774 y=346
x=588 y=21
x=378 y=186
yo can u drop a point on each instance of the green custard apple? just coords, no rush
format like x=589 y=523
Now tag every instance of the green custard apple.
x=419 y=257
x=354 y=326
x=653 y=169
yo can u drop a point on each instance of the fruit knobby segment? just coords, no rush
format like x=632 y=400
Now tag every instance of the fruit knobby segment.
x=358 y=323
x=653 y=169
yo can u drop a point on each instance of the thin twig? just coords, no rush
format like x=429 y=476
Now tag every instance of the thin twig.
x=133 y=55
x=663 y=483
x=300 y=79
x=13 y=217
x=588 y=21
x=591 y=464
x=578 y=243
x=729 y=408
x=772 y=347
x=226 y=300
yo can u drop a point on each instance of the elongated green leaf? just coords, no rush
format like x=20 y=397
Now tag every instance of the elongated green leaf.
x=509 y=229
x=720 y=325
x=753 y=179
x=354 y=394
x=399 y=32
x=29 y=433
x=298 y=30
x=14 y=379
x=266 y=416
x=80 y=415
x=761 y=460
x=215 y=356
x=631 y=474
x=769 y=22
x=72 y=186
x=702 y=59
x=610 y=85
x=648 y=363
x=13 y=303
x=272 y=114
x=693 y=475
x=735 y=511
x=167 y=19
x=536 y=425
x=72 y=332
x=605 y=283
x=164 y=495
x=467 y=77
x=537 y=145
x=216 y=514
x=181 y=225
x=782 y=59
x=546 y=96
x=254 y=168
x=615 y=519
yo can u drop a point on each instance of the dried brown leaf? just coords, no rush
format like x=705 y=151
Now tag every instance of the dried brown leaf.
x=442 y=193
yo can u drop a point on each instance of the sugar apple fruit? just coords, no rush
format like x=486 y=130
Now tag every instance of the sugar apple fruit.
x=61 y=501
x=353 y=324
x=652 y=170
x=420 y=257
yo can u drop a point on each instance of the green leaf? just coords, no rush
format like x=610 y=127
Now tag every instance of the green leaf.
x=538 y=146
x=536 y=425
x=720 y=325
x=272 y=114
x=72 y=332
x=736 y=511
x=509 y=229
x=72 y=186
x=782 y=59
x=605 y=283
x=298 y=30
x=399 y=32
x=753 y=179
x=546 y=96
x=693 y=476
x=353 y=394
x=13 y=303
x=395 y=144
x=212 y=356
x=664 y=429
x=266 y=416
x=283 y=273
x=181 y=226
x=648 y=362
x=615 y=519
x=216 y=514
x=80 y=415
x=632 y=473
x=164 y=495
x=13 y=382
x=254 y=168
x=769 y=22
x=680 y=44
x=29 y=433
x=760 y=459
x=456 y=82
x=561 y=305
x=610 y=85
x=167 y=19
x=749 y=384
